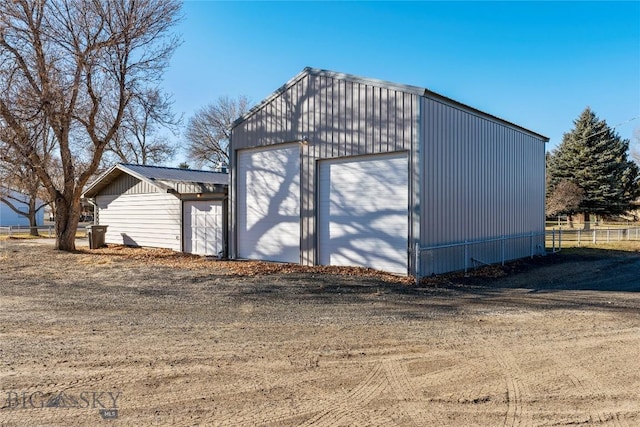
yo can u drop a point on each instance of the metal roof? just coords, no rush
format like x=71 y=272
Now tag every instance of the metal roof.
x=161 y=177
x=178 y=175
x=415 y=90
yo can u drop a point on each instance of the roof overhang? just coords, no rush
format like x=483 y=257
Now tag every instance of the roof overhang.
x=112 y=174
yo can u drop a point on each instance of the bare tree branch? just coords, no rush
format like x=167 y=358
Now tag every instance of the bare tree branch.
x=208 y=131
x=140 y=139
x=76 y=65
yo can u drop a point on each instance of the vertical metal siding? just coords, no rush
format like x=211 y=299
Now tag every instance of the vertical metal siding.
x=340 y=118
x=481 y=180
x=127 y=184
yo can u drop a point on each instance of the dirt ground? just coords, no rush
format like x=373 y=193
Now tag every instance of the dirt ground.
x=134 y=337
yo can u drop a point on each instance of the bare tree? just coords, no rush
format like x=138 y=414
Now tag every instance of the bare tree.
x=208 y=131
x=564 y=198
x=140 y=139
x=77 y=64
x=20 y=178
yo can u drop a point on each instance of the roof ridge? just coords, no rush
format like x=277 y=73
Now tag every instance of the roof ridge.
x=168 y=167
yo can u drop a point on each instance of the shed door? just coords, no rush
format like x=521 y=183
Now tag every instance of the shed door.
x=363 y=212
x=268 y=203
x=203 y=227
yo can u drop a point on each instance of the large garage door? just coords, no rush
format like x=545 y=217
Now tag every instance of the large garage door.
x=363 y=212
x=268 y=204
x=203 y=227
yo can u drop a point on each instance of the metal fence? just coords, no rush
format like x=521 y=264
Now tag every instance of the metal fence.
x=557 y=238
x=44 y=230
x=528 y=245
x=554 y=241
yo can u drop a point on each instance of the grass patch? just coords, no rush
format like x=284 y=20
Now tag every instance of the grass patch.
x=42 y=235
x=623 y=245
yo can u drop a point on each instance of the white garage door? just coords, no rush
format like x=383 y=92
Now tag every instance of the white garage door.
x=203 y=227
x=363 y=212
x=268 y=204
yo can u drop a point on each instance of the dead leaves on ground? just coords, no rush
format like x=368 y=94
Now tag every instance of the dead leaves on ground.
x=169 y=258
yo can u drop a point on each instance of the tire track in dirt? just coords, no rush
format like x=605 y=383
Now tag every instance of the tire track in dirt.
x=586 y=383
x=321 y=413
x=410 y=400
x=517 y=414
x=373 y=385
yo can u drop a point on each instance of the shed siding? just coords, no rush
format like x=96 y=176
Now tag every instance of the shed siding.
x=127 y=184
x=340 y=118
x=142 y=219
x=481 y=180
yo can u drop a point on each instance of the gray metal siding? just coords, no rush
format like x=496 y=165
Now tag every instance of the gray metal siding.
x=340 y=118
x=127 y=184
x=482 y=180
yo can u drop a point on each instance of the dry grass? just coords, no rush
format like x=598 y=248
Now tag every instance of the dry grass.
x=42 y=235
x=622 y=245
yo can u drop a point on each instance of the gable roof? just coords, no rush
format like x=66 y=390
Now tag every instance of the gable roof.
x=164 y=178
x=415 y=90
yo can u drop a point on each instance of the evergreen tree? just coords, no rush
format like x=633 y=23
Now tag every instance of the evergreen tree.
x=594 y=158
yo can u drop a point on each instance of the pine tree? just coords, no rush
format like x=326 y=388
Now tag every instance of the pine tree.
x=594 y=157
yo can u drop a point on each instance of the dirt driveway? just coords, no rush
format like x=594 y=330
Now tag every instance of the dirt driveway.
x=128 y=338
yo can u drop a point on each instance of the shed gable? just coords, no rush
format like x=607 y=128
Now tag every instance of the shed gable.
x=127 y=184
x=342 y=117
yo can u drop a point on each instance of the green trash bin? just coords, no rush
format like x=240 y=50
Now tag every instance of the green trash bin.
x=96 y=234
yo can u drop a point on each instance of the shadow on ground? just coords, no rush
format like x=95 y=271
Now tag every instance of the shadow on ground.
x=573 y=279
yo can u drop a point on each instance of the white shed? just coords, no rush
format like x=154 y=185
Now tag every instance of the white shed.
x=335 y=169
x=179 y=209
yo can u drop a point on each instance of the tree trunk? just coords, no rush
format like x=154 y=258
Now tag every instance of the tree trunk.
x=67 y=217
x=587 y=221
x=33 y=223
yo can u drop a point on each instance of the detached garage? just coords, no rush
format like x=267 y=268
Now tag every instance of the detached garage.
x=179 y=209
x=334 y=169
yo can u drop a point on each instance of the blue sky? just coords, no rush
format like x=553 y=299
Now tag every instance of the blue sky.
x=538 y=64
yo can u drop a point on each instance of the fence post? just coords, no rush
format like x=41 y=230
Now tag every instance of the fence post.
x=10 y=232
x=579 y=231
x=553 y=240
x=417 y=261
x=531 y=244
x=560 y=240
x=594 y=237
x=466 y=255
